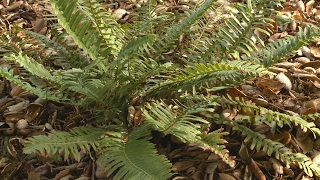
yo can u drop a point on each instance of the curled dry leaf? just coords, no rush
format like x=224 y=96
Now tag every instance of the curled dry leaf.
x=257 y=171
x=306 y=51
x=22 y=124
x=301 y=6
x=302 y=76
x=119 y=13
x=282 y=78
x=277 y=69
x=283 y=138
x=286 y=65
x=33 y=111
x=15 y=90
x=310 y=70
x=306 y=145
x=14 y=6
x=302 y=60
x=244 y=155
x=267 y=83
x=309 y=6
x=315 y=51
x=230 y=114
x=18 y=107
x=182 y=165
x=224 y=176
x=314 y=64
x=313 y=104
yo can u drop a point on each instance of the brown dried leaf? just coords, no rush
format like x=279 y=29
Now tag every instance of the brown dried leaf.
x=277 y=166
x=224 y=176
x=62 y=174
x=33 y=111
x=315 y=51
x=256 y=170
x=244 y=155
x=182 y=165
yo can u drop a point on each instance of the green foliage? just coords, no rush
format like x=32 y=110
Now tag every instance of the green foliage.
x=172 y=80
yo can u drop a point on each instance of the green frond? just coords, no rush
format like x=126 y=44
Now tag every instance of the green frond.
x=133 y=47
x=31 y=66
x=134 y=158
x=79 y=27
x=108 y=28
x=64 y=54
x=67 y=144
x=259 y=141
x=174 y=32
x=262 y=115
x=215 y=143
x=236 y=36
x=44 y=94
x=284 y=47
x=181 y=122
x=226 y=74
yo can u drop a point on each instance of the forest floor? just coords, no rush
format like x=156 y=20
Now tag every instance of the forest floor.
x=300 y=74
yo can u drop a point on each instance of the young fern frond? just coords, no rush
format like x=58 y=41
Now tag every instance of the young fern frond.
x=136 y=157
x=258 y=141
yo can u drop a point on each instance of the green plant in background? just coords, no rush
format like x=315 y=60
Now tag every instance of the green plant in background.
x=109 y=65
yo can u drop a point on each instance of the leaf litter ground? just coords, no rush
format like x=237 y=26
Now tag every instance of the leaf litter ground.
x=294 y=90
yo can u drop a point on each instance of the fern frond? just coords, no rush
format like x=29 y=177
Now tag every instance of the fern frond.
x=64 y=54
x=31 y=66
x=44 y=94
x=225 y=74
x=214 y=142
x=260 y=114
x=65 y=143
x=236 y=36
x=259 y=141
x=108 y=28
x=182 y=123
x=134 y=158
x=284 y=47
x=79 y=28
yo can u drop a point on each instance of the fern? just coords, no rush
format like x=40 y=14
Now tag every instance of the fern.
x=136 y=156
x=260 y=114
x=65 y=143
x=145 y=63
x=226 y=74
x=259 y=141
